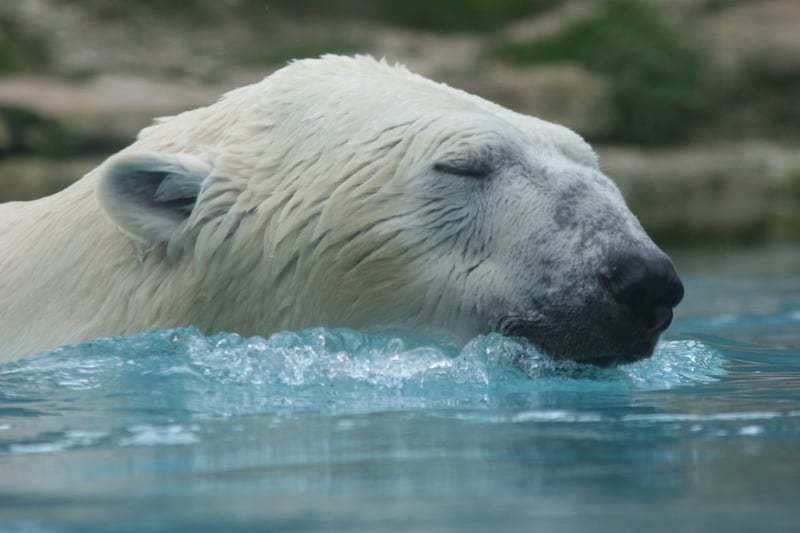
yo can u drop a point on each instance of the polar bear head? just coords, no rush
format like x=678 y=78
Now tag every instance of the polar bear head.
x=348 y=192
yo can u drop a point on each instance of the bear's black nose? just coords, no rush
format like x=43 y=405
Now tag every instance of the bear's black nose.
x=647 y=284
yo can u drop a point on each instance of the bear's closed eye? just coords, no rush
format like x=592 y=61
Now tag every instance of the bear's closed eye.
x=464 y=168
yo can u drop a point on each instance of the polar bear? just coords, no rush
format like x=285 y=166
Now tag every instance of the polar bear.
x=340 y=191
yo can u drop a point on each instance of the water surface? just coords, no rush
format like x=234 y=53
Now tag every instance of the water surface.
x=335 y=430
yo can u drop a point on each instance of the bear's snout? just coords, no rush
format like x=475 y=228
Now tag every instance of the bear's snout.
x=647 y=286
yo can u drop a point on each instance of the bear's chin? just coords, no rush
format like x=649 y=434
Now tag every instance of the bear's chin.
x=603 y=348
x=637 y=353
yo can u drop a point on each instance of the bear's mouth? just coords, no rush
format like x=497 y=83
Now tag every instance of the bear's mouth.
x=599 y=346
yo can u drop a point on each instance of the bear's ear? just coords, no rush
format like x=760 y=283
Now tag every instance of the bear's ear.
x=149 y=195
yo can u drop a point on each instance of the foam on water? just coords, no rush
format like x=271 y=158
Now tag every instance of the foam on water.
x=326 y=369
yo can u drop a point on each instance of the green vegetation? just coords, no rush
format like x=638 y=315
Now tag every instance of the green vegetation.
x=441 y=15
x=189 y=10
x=20 y=50
x=460 y=15
x=26 y=132
x=770 y=92
x=654 y=76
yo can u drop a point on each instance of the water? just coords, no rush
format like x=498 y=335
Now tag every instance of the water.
x=335 y=430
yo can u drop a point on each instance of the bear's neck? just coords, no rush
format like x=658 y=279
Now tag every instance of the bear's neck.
x=67 y=274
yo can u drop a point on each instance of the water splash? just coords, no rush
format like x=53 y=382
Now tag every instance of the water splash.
x=184 y=371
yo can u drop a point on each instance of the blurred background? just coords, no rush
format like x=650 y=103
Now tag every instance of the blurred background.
x=693 y=105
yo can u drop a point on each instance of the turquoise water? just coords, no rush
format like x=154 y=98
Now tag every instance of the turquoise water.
x=338 y=431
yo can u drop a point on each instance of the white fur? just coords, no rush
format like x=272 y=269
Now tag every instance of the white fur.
x=317 y=206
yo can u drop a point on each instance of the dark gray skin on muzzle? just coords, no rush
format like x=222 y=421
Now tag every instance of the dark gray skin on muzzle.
x=603 y=292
